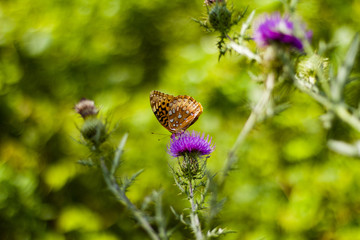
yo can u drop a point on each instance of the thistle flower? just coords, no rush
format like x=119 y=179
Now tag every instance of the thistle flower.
x=93 y=128
x=190 y=143
x=194 y=149
x=276 y=29
x=86 y=107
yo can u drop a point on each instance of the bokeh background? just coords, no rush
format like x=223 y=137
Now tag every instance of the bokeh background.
x=287 y=185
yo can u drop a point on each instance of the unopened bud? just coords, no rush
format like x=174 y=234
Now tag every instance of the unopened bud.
x=220 y=17
x=94 y=130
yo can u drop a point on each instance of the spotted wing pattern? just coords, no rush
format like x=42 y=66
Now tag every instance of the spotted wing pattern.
x=160 y=105
x=184 y=111
x=176 y=114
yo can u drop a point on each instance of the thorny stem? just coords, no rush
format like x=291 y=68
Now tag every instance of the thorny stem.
x=194 y=218
x=121 y=196
x=250 y=123
x=242 y=50
x=160 y=219
x=343 y=113
x=340 y=109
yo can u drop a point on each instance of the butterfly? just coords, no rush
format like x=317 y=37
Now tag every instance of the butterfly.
x=175 y=114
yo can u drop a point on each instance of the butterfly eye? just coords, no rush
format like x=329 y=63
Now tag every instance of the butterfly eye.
x=176 y=114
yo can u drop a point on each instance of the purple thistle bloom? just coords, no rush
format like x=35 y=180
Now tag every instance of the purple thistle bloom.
x=274 y=28
x=181 y=144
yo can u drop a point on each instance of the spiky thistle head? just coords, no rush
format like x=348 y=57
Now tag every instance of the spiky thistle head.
x=93 y=129
x=220 y=17
x=192 y=149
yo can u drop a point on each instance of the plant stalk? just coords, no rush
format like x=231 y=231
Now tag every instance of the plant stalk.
x=194 y=218
x=250 y=123
x=340 y=109
x=121 y=197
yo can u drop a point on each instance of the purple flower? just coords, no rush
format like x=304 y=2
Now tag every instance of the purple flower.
x=274 y=28
x=184 y=143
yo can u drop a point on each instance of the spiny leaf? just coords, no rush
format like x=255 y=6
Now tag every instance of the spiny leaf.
x=216 y=207
x=183 y=220
x=217 y=232
x=203 y=24
x=127 y=182
x=146 y=202
x=179 y=217
x=248 y=21
x=174 y=212
x=86 y=162
x=159 y=216
x=118 y=153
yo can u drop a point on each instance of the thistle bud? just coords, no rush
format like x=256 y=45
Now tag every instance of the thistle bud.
x=94 y=130
x=220 y=17
x=86 y=108
x=309 y=67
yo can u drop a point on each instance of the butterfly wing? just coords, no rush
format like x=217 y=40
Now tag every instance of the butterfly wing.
x=159 y=103
x=183 y=112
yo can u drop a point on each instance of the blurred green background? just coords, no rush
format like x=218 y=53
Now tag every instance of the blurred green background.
x=287 y=185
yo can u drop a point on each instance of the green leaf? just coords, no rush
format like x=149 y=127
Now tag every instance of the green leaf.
x=129 y=181
x=175 y=213
x=86 y=162
x=118 y=153
x=217 y=232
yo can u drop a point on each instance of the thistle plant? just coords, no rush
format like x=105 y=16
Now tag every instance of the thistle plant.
x=284 y=56
x=192 y=151
x=221 y=19
x=95 y=132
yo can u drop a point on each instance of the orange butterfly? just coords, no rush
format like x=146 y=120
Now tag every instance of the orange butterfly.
x=176 y=114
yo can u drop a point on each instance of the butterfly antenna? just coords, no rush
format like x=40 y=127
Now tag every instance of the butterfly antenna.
x=161 y=134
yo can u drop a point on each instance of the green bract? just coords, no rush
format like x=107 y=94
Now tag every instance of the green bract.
x=220 y=18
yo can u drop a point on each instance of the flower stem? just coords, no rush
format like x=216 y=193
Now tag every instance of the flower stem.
x=121 y=197
x=194 y=218
x=239 y=48
x=340 y=109
x=250 y=123
x=242 y=50
x=342 y=112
